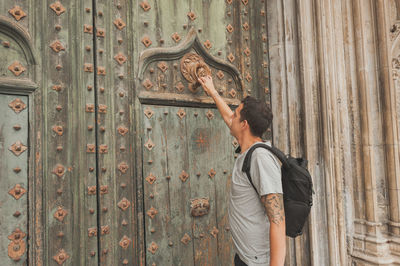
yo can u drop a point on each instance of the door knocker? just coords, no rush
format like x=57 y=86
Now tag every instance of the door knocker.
x=193 y=67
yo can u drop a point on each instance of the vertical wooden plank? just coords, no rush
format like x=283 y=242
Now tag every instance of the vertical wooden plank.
x=179 y=191
x=83 y=188
x=67 y=91
x=156 y=198
x=59 y=131
x=104 y=131
x=257 y=43
x=125 y=152
x=14 y=189
x=202 y=185
x=115 y=151
x=85 y=118
x=222 y=157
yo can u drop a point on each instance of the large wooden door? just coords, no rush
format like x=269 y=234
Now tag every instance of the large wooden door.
x=89 y=72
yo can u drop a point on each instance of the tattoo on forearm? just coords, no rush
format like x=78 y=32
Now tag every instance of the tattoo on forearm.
x=273 y=204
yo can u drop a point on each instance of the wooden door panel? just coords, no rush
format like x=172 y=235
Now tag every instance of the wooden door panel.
x=14 y=179
x=184 y=163
x=114 y=132
x=201 y=155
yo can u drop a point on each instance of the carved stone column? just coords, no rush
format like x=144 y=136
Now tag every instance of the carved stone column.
x=371 y=241
x=391 y=85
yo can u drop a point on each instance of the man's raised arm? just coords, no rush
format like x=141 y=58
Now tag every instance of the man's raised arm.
x=223 y=108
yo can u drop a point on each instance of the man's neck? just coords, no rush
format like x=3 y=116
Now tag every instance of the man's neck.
x=247 y=141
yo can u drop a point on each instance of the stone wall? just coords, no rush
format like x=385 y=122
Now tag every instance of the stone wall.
x=334 y=68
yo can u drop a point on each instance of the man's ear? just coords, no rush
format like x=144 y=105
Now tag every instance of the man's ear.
x=245 y=124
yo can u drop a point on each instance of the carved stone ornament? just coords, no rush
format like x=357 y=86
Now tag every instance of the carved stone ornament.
x=199 y=207
x=192 y=68
x=394 y=30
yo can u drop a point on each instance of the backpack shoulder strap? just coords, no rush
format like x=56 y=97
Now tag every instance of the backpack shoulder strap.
x=247 y=159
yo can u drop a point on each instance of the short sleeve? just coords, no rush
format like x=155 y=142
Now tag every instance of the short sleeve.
x=265 y=171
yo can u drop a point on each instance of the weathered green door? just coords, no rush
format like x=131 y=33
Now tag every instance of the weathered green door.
x=127 y=161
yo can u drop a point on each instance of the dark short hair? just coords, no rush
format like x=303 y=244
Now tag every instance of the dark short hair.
x=258 y=115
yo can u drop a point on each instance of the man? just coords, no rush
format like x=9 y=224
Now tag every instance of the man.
x=257 y=220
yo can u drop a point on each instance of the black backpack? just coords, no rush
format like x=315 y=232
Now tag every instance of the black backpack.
x=296 y=184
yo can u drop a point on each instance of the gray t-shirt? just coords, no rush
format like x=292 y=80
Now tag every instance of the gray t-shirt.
x=247 y=218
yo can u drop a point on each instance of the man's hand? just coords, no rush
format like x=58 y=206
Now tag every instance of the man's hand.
x=273 y=204
x=226 y=112
x=208 y=85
